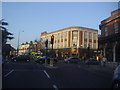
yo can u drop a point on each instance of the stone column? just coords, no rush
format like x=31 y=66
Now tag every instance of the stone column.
x=87 y=38
x=83 y=38
x=60 y=43
x=67 y=38
x=71 y=39
x=96 y=41
x=78 y=41
x=63 y=39
x=92 y=40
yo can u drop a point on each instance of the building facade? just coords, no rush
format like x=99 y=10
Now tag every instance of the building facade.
x=110 y=36
x=67 y=40
x=23 y=48
x=26 y=48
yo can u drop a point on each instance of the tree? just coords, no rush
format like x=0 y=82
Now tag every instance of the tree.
x=5 y=33
x=5 y=36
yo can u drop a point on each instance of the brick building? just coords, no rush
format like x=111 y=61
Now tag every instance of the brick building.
x=110 y=36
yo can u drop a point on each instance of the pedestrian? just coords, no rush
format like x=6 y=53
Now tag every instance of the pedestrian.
x=104 y=60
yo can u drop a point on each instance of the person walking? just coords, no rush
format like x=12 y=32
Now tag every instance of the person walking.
x=104 y=60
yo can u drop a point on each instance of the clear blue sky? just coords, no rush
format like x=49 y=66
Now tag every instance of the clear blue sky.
x=36 y=17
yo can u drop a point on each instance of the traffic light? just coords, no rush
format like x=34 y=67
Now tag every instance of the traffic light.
x=52 y=39
x=46 y=43
x=4 y=23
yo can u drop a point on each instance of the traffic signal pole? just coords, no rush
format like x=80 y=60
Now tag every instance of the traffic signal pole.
x=46 y=45
x=52 y=42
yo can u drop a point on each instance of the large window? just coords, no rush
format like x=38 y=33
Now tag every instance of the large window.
x=85 y=35
x=94 y=45
x=106 y=31
x=116 y=27
x=94 y=36
x=75 y=35
x=90 y=35
x=62 y=34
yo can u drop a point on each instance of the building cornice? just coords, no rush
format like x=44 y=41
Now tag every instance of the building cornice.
x=71 y=28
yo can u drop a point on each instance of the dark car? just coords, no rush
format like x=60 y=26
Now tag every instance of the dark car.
x=21 y=58
x=42 y=60
x=116 y=78
x=92 y=61
x=72 y=60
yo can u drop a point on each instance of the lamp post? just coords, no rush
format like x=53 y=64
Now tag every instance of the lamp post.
x=18 y=41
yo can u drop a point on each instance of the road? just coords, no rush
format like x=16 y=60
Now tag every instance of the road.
x=32 y=75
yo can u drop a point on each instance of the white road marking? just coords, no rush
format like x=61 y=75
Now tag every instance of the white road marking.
x=9 y=73
x=46 y=74
x=55 y=87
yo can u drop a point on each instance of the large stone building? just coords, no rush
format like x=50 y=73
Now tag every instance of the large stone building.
x=67 y=40
x=110 y=36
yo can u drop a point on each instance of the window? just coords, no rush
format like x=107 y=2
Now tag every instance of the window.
x=62 y=34
x=90 y=35
x=85 y=35
x=106 y=31
x=75 y=35
x=116 y=27
x=94 y=36
x=94 y=45
x=65 y=34
x=65 y=44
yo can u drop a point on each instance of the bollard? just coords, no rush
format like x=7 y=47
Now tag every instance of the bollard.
x=51 y=62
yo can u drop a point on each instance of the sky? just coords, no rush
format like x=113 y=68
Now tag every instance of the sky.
x=36 y=17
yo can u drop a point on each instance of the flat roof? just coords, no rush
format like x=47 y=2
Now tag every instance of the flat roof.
x=72 y=27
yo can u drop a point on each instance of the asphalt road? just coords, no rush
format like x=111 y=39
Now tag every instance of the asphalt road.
x=32 y=75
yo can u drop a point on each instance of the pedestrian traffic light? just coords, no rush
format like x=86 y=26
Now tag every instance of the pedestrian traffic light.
x=52 y=39
x=46 y=43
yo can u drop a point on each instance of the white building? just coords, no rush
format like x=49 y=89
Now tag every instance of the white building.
x=80 y=37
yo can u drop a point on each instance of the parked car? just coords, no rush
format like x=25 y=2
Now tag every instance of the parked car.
x=116 y=78
x=42 y=59
x=21 y=58
x=92 y=61
x=72 y=60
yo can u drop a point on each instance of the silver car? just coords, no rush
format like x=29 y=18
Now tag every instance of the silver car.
x=72 y=60
x=116 y=78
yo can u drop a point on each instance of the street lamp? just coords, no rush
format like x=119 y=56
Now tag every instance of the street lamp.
x=18 y=41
